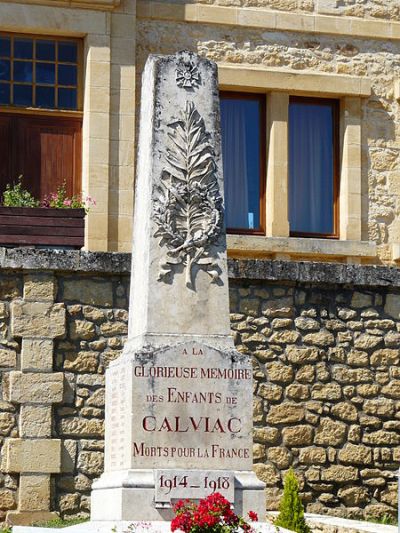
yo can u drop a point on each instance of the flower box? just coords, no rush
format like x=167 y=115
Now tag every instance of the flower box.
x=41 y=226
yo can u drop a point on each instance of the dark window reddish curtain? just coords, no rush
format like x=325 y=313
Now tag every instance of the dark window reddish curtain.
x=46 y=151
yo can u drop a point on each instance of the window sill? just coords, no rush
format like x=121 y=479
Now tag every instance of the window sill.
x=261 y=246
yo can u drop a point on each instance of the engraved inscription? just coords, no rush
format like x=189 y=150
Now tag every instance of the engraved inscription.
x=193 y=484
x=187 y=203
x=195 y=409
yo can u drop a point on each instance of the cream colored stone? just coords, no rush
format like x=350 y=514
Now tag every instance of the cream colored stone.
x=34 y=492
x=277 y=224
x=36 y=388
x=355 y=455
x=258 y=245
x=35 y=421
x=330 y=432
x=37 y=354
x=289 y=80
x=37 y=319
x=340 y=474
x=40 y=456
x=285 y=413
x=40 y=287
x=312 y=456
x=8 y=358
x=26 y=518
x=7 y=422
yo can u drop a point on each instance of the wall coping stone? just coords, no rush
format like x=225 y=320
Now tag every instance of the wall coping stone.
x=117 y=263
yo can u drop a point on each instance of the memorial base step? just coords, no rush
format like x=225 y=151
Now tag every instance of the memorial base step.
x=129 y=495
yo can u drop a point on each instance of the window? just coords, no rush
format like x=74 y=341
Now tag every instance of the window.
x=40 y=122
x=313 y=167
x=243 y=148
x=39 y=72
x=311 y=164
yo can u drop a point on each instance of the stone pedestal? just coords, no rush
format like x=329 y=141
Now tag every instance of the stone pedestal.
x=179 y=399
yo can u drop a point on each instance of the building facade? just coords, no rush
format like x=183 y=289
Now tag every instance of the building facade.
x=313 y=241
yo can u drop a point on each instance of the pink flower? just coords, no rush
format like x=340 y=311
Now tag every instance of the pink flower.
x=67 y=202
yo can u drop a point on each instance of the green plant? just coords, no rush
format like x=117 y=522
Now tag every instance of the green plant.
x=16 y=196
x=291 y=511
x=386 y=519
x=60 y=200
x=60 y=523
x=6 y=529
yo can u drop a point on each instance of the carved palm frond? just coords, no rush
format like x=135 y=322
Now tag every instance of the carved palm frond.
x=188 y=205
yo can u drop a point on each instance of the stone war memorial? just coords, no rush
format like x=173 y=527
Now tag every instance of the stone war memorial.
x=178 y=418
x=179 y=399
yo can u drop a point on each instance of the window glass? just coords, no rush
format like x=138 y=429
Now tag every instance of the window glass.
x=4 y=93
x=46 y=50
x=45 y=97
x=5 y=71
x=242 y=120
x=67 y=98
x=67 y=52
x=45 y=73
x=67 y=75
x=5 y=47
x=312 y=131
x=23 y=48
x=23 y=71
x=40 y=72
x=23 y=95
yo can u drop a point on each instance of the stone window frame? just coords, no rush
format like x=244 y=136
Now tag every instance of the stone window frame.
x=279 y=85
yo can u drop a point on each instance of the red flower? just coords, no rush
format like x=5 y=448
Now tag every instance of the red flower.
x=253 y=516
x=211 y=515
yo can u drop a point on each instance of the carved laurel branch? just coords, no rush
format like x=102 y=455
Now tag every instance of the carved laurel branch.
x=187 y=203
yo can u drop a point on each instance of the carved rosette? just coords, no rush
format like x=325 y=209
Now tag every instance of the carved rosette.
x=187 y=203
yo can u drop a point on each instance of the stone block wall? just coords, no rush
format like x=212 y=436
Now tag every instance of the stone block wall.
x=327 y=391
x=324 y=340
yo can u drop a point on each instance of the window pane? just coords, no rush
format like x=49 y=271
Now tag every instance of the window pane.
x=240 y=126
x=46 y=50
x=311 y=167
x=4 y=69
x=45 y=97
x=45 y=73
x=4 y=93
x=22 y=71
x=67 y=98
x=67 y=75
x=23 y=95
x=68 y=52
x=23 y=48
x=5 y=47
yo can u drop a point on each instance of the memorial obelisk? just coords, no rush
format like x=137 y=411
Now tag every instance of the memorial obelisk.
x=179 y=399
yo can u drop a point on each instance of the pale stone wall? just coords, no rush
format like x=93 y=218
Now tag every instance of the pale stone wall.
x=374 y=9
x=326 y=369
x=263 y=49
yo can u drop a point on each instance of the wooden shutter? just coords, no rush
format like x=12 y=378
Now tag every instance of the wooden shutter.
x=48 y=153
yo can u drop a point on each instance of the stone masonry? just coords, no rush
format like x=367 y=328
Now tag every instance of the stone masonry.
x=327 y=382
